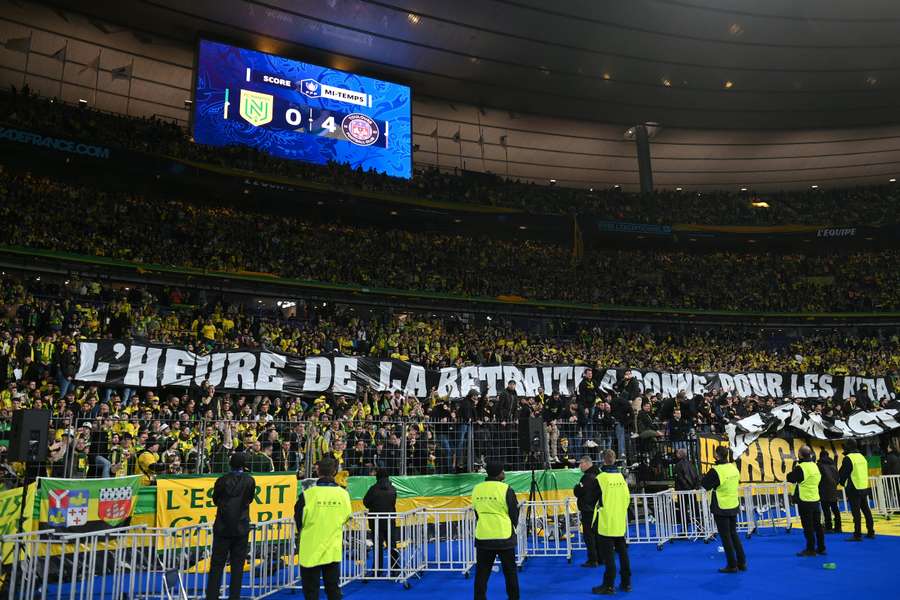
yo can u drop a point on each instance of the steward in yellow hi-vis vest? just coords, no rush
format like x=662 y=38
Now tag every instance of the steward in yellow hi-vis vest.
x=723 y=480
x=497 y=514
x=321 y=512
x=806 y=477
x=854 y=476
x=611 y=525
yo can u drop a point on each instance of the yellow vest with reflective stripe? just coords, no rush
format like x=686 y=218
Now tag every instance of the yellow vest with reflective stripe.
x=860 y=474
x=727 y=492
x=489 y=502
x=612 y=518
x=326 y=509
x=809 y=487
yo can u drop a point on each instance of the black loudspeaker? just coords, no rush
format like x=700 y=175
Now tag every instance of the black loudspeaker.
x=531 y=435
x=28 y=437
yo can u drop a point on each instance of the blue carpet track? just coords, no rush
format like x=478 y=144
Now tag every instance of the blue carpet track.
x=686 y=570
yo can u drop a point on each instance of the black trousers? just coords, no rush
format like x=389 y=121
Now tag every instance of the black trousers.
x=309 y=579
x=590 y=536
x=731 y=541
x=484 y=561
x=813 y=531
x=608 y=547
x=387 y=537
x=232 y=550
x=831 y=514
x=859 y=502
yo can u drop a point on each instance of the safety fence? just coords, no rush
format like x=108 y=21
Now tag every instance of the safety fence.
x=146 y=563
x=109 y=445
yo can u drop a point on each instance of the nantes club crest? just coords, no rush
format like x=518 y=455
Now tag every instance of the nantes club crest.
x=257 y=108
x=115 y=504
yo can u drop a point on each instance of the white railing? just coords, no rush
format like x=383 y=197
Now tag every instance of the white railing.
x=146 y=563
x=451 y=539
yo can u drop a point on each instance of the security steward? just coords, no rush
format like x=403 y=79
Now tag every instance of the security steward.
x=495 y=532
x=381 y=498
x=232 y=495
x=611 y=520
x=320 y=513
x=587 y=491
x=723 y=479
x=854 y=476
x=806 y=478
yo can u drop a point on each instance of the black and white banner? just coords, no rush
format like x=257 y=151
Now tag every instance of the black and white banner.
x=863 y=423
x=136 y=365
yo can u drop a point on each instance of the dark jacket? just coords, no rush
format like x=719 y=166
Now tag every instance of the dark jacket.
x=828 y=485
x=891 y=464
x=507 y=406
x=512 y=507
x=628 y=390
x=232 y=495
x=686 y=475
x=588 y=490
x=622 y=411
x=466 y=411
x=68 y=364
x=710 y=482
x=679 y=430
x=381 y=497
x=587 y=393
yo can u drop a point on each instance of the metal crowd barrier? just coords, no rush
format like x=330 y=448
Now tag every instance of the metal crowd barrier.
x=399 y=542
x=649 y=519
x=353 y=563
x=767 y=505
x=451 y=539
x=880 y=500
x=553 y=528
x=77 y=565
x=153 y=562
x=146 y=563
x=887 y=494
x=546 y=528
x=691 y=519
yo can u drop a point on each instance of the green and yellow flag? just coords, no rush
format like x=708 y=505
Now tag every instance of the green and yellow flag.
x=79 y=505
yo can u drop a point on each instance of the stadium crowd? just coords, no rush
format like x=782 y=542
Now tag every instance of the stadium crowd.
x=848 y=207
x=118 y=431
x=37 y=212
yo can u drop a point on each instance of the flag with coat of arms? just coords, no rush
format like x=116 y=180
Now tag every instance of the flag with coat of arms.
x=87 y=504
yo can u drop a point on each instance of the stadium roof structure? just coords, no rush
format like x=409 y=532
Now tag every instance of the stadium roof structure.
x=721 y=64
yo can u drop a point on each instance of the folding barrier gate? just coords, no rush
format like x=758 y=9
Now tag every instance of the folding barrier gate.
x=146 y=562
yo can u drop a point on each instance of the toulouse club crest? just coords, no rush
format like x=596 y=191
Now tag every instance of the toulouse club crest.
x=360 y=129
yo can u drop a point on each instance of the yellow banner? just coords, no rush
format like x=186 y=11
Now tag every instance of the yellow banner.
x=10 y=510
x=768 y=460
x=188 y=501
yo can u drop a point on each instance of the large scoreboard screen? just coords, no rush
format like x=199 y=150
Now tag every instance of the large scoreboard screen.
x=296 y=110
